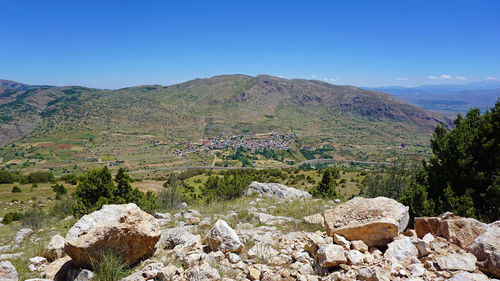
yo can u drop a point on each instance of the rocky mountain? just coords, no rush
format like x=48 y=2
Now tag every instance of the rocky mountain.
x=47 y=127
x=218 y=105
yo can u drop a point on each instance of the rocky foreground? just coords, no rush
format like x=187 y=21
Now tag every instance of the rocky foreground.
x=363 y=239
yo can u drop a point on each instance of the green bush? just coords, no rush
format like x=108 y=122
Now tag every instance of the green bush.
x=16 y=189
x=40 y=177
x=11 y=216
x=229 y=186
x=97 y=188
x=59 y=189
x=463 y=173
x=69 y=179
x=326 y=188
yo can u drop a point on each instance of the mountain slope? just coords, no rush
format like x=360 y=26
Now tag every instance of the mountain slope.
x=94 y=120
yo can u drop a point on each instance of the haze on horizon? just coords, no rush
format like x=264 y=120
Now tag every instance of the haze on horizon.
x=364 y=43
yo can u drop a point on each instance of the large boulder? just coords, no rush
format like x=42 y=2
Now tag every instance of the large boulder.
x=276 y=190
x=223 y=238
x=123 y=229
x=7 y=271
x=486 y=248
x=375 y=221
x=458 y=230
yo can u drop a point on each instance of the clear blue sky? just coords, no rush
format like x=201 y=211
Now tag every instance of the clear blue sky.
x=111 y=44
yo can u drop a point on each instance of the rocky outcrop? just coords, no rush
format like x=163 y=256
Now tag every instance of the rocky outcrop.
x=276 y=190
x=375 y=221
x=223 y=238
x=461 y=231
x=123 y=229
x=7 y=271
x=486 y=248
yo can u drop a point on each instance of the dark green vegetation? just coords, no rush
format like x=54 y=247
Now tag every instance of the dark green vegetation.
x=461 y=176
x=70 y=129
x=326 y=187
x=97 y=188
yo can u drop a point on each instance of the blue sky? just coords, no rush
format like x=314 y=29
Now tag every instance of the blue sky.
x=112 y=44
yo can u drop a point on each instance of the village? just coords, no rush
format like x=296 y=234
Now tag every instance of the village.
x=251 y=142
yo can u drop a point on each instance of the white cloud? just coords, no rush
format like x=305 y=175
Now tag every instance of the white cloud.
x=334 y=79
x=460 y=78
x=490 y=78
x=444 y=76
x=280 y=76
x=401 y=79
x=313 y=76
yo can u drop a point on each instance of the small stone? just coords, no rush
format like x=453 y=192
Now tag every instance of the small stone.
x=400 y=249
x=371 y=274
x=369 y=258
x=55 y=248
x=234 y=258
x=354 y=257
x=340 y=240
x=417 y=270
x=222 y=237
x=359 y=245
x=329 y=255
x=253 y=273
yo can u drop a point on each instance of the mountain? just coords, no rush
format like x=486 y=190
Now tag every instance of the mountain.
x=92 y=122
x=449 y=99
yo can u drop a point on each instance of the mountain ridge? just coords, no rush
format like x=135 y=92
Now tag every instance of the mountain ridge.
x=64 y=123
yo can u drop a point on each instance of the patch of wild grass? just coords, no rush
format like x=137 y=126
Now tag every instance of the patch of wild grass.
x=108 y=267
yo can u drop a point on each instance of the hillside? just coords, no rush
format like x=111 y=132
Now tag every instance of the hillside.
x=145 y=124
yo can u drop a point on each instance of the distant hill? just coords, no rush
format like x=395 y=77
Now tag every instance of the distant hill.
x=449 y=99
x=93 y=120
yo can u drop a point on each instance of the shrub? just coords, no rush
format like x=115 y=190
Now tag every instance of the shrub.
x=11 y=216
x=59 y=189
x=40 y=177
x=16 y=189
x=326 y=188
x=97 y=188
x=62 y=208
x=69 y=179
x=231 y=185
x=34 y=218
